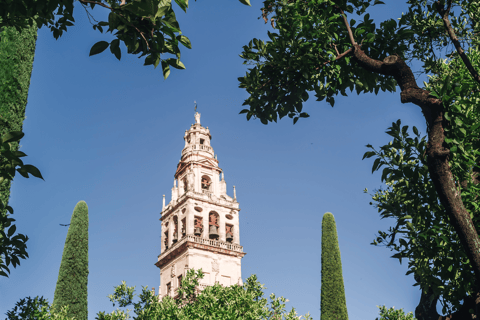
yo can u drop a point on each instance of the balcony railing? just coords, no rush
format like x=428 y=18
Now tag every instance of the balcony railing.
x=200 y=240
x=197 y=147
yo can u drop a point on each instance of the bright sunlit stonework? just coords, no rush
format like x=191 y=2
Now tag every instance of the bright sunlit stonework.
x=200 y=225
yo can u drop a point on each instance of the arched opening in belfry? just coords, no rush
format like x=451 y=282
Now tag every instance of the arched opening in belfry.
x=229 y=232
x=184 y=227
x=206 y=183
x=198 y=226
x=213 y=225
x=175 y=230
x=166 y=236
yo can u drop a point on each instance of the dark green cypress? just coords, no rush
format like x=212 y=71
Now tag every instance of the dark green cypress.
x=17 y=50
x=332 y=302
x=71 y=289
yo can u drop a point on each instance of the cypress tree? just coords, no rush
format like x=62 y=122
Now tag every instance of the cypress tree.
x=333 y=303
x=17 y=50
x=71 y=289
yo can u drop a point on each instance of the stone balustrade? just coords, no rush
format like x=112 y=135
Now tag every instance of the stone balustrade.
x=197 y=147
x=200 y=240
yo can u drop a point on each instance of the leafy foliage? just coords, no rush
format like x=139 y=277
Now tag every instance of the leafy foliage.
x=392 y=314
x=146 y=27
x=411 y=198
x=36 y=309
x=310 y=53
x=430 y=241
x=214 y=302
x=12 y=247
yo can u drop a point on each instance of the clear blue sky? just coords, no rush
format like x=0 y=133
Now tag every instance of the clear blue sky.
x=111 y=133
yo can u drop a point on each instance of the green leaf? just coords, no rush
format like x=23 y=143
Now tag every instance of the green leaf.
x=415 y=130
x=13 y=136
x=185 y=41
x=165 y=69
x=115 y=49
x=246 y=2
x=23 y=172
x=176 y=63
x=19 y=154
x=368 y=154
x=182 y=4
x=99 y=47
x=376 y=163
x=33 y=171
x=11 y=230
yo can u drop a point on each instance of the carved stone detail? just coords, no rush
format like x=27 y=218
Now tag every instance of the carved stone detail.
x=215 y=267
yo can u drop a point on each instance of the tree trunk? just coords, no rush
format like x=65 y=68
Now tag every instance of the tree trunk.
x=437 y=151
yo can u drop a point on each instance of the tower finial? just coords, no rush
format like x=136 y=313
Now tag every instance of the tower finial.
x=163 y=207
x=197 y=115
x=197 y=118
x=234 y=194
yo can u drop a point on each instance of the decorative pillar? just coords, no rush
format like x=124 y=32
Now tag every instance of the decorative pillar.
x=190 y=220
x=236 y=231
x=221 y=225
x=206 y=225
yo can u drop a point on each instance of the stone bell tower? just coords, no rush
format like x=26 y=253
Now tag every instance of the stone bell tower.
x=200 y=225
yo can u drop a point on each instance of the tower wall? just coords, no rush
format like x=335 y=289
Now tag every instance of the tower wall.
x=199 y=195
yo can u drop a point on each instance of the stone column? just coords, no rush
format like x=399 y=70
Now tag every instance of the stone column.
x=236 y=230
x=162 y=237
x=190 y=219
x=206 y=224
x=221 y=223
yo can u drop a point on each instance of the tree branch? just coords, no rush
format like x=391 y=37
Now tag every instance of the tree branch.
x=444 y=14
x=131 y=24
x=350 y=34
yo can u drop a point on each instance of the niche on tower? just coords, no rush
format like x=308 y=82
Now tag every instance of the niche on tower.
x=206 y=183
x=198 y=226
x=229 y=232
x=184 y=180
x=213 y=223
x=166 y=236
x=175 y=230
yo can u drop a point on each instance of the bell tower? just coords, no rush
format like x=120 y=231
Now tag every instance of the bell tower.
x=200 y=225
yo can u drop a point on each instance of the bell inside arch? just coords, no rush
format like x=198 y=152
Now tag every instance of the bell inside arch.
x=213 y=234
x=197 y=232
x=229 y=237
x=175 y=237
